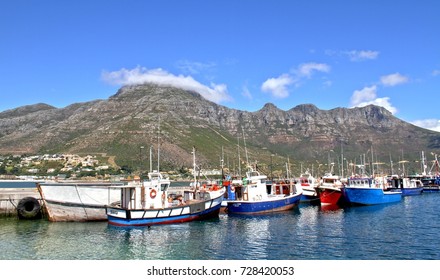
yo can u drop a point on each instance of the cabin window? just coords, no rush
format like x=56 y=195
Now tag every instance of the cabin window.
x=163 y=187
x=132 y=198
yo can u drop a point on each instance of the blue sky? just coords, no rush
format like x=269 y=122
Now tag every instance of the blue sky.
x=241 y=54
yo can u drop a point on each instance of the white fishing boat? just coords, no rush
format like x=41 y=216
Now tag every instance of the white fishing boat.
x=78 y=202
x=149 y=203
x=308 y=185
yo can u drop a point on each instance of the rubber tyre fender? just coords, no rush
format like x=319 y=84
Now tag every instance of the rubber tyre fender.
x=29 y=208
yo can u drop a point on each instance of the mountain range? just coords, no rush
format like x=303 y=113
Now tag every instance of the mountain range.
x=170 y=121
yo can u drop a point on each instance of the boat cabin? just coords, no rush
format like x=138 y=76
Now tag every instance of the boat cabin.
x=359 y=182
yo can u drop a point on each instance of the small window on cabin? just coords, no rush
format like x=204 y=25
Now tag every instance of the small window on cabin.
x=163 y=187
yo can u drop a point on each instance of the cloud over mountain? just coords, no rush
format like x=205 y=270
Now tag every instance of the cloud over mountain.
x=215 y=92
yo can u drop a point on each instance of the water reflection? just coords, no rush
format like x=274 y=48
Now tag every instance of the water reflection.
x=330 y=208
x=406 y=230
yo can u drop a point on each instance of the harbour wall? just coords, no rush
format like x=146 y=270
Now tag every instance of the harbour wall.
x=11 y=197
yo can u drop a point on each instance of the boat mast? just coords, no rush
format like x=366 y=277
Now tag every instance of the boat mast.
x=391 y=165
x=436 y=165
x=194 y=167
x=288 y=168
x=222 y=164
x=423 y=164
x=151 y=159
x=342 y=161
x=372 y=161
x=158 y=147
x=238 y=149
x=245 y=149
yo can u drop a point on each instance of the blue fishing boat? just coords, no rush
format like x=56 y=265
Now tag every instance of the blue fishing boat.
x=408 y=186
x=253 y=196
x=366 y=191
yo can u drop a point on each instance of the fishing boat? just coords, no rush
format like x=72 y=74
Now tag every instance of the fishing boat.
x=230 y=184
x=78 y=201
x=368 y=191
x=430 y=184
x=307 y=183
x=143 y=205
x=149 y=203
x=431 y=180
x=330 y=189
x=252 y=196
x=408 y=186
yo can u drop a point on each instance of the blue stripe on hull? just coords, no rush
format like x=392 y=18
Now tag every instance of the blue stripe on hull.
x=251 y=207
x=206 y=214
x=370 y=196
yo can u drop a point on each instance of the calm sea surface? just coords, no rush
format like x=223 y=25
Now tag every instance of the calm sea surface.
x=408 y=230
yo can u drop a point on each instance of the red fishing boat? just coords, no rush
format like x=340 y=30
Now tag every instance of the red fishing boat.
x=330 y=190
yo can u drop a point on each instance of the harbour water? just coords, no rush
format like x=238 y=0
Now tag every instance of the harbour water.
x=408 y=230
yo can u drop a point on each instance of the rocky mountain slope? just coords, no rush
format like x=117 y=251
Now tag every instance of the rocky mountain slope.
x=150 y=115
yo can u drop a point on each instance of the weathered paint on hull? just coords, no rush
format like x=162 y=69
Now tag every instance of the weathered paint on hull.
x=70 y=202
x=257 y=207
x=69 y=212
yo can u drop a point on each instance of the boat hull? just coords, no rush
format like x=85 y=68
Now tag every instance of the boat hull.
x=283 y=203
x=309 y=195
x=77 y=202
x=431 y=189
x=409 y=191
x=147 y=217
x=370 y=196
x=330 y=196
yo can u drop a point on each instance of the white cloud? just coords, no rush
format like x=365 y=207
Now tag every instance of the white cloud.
x=382 y=102
x=278 y=86
x=436 y=73
x=140 y=75
x=362 y=55
x=431 y=124
x=368 y=96
x=393 y=79
x=363 y=95
x=307 y=69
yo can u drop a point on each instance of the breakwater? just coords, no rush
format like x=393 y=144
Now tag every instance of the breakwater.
x=10 y=199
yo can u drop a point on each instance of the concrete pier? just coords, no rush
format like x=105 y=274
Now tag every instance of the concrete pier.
x=10 y=197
